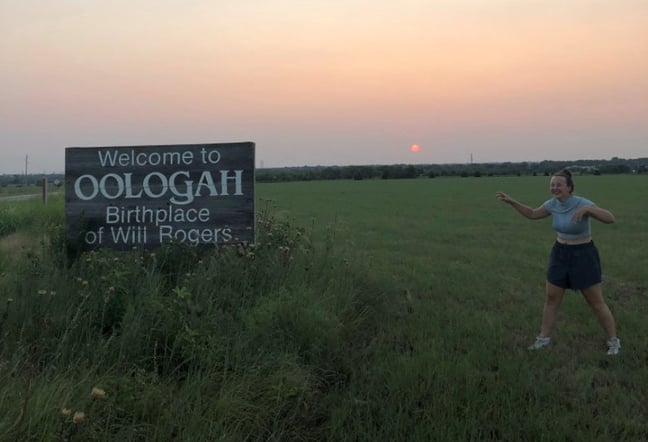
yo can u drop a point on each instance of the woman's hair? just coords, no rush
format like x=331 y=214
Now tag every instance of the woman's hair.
x=565 y=173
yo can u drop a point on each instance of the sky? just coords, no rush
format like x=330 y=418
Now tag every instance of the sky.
x=326 y=82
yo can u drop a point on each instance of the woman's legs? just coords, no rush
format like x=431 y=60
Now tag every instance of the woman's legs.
x=553 y=298
x=594 y=297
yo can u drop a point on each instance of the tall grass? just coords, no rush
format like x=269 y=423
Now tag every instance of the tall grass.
x=238 y=343
x=20 y=216
x=368 y=310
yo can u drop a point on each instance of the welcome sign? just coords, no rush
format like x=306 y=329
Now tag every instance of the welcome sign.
x=146 y=196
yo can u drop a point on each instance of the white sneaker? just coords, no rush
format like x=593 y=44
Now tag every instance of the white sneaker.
x=540 y=342
x=614 y=346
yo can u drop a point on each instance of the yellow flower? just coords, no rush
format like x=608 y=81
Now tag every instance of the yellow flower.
x=97 y=393
x=66 y=412
x=79 y=417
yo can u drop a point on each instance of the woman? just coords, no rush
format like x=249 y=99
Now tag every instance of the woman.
x=574 y=261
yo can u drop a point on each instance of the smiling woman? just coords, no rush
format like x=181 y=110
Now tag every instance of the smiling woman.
x=574 y=261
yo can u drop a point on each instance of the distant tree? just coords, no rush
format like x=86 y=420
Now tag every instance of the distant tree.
x=331 y=173
x=615 y=168
x=410 y=172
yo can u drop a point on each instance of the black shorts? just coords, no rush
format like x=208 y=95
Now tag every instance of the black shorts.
x=574 y=267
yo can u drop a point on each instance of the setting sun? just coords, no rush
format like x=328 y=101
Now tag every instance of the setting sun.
x=415 y=148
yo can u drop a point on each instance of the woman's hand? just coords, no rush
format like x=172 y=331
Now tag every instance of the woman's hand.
x=503 y=197
x=580 y=213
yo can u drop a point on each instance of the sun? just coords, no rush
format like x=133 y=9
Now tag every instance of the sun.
x=415 y=148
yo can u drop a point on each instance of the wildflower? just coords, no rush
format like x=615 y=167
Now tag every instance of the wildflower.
x=9 y=300
x=97 y=393
x=84 y=282
x=66 y=412
x=52 y=293
x=42 y=292
x=111 y=289
x=79 y=417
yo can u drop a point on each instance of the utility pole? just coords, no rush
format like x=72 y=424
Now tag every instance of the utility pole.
x=26 y=162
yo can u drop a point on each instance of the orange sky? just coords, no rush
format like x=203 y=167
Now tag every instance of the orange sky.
x=326 y=82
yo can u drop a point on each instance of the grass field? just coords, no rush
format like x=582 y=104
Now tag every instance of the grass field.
x=475 y=270
x=369 y=310
x=429 y=235
x=20 y=190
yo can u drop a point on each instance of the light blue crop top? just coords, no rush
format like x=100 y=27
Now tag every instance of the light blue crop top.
x=562 y=217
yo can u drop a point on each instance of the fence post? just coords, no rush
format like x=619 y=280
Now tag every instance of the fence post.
x=44 y=190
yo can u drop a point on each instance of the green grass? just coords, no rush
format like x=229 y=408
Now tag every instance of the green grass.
x=474 y=270
x=30 y=189
x=30 y=216
x=369 y=310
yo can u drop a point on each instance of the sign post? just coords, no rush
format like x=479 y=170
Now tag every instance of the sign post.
x=147 y=196
x=44 y=190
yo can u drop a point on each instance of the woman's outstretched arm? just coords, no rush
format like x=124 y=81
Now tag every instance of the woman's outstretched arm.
x=524 y=210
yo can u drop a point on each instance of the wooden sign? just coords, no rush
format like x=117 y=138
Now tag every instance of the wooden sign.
x=146 y=196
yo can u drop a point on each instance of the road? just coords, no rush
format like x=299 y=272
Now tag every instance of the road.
x=23 y=197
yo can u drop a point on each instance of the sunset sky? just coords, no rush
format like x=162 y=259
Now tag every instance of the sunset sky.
x=326 y=82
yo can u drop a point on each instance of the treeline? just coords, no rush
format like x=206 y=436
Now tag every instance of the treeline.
x=402 y=171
